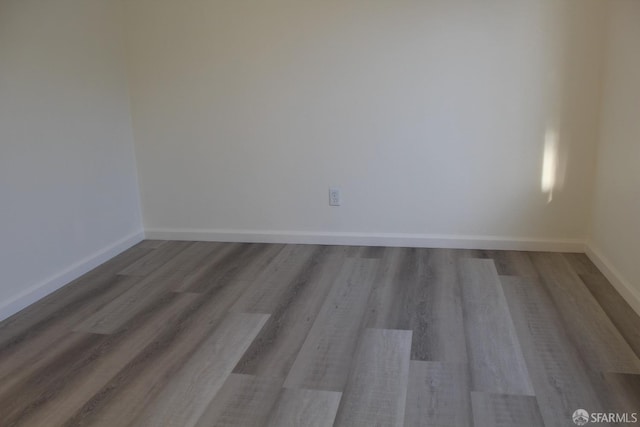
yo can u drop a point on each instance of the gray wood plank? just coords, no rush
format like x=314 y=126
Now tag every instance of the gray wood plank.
x=604 y=348
x=560 y=377
x=577 y=338
x=502 y=410
x=48 y=338
x=187 y=395
x=122 y=308
x=623 y=317
x=418 y=289
x=243 y=401
x=267 y=290
x=155 y=259
x=67 y=303
x=509 y=263
x=234 y=261
x=581 y=264
x=376 y=392
x=305 y=408
x=139 y=383
x=64 y=390
x=624 y=393
x=495 y=357
x=438 y=395
x=324 y=359
x=274 y=350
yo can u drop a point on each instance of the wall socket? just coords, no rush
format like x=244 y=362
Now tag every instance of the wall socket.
x=335 y=198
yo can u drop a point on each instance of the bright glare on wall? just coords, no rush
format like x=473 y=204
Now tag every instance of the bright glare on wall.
x=550 y=162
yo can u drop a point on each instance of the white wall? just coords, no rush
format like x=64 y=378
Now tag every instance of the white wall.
x=616 y=221
x=430 y=115
x=68 y=186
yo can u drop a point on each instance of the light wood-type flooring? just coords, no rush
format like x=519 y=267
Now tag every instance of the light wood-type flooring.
x=235 y=334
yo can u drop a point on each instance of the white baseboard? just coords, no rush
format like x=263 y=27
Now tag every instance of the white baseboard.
x=47 y=286
x=371 y=239
x=622 y=285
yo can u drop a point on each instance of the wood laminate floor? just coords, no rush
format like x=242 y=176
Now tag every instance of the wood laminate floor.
x=226 y=334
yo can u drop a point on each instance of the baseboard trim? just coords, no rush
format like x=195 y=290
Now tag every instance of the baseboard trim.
x=622 y=285
x=371 y=239
x=47 y=286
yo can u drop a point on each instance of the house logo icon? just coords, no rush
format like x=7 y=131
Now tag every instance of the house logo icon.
x=580 y=417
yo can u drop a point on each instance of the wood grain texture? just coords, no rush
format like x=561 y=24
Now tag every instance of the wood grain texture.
x=69 y=304
x=509 y=263
x=159 y=344
x=561 y=379
x=264 y=295
x=243 y=401
x=377 y=389
x=495 y=357
x=438 y=395
x=276 y=347
x=115 y=314
x=192 y=388
x=623 y=317
x=603 y=346
x=46 y=340
x=624 y=393
x=502 y=410
x=305 y=408
x=235 y=261
x=155 y=259
x=140 y=382
x=418 y=290
x=325 y=357
x=64 y=389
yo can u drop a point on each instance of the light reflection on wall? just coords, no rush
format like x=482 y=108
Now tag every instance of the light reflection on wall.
x=550 y=163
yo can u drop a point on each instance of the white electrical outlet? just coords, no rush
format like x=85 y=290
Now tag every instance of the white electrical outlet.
x=335 y=199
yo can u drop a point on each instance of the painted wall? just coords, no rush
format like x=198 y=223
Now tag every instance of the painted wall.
x=68 y=186
x=616 y=220
x=430 y=115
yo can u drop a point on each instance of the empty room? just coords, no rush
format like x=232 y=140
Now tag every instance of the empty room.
x=319 y=213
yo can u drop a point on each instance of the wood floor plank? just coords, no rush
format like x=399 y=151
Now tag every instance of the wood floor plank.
x=266 y=291
x=189 y=392
x=273 y=352
x=68 y=302
x=243 y=401
x=371 y=252
x=112 y=316
x=325 y=357
x=102 y=358
x=230 y=262
x=560 y=377
x=243 y=334
x=44 y=341
x=623 y=317
x=509 y=263
x=599 y=341
x=376 y=392
x=502 y=410
x=418 y=289
x=581 y=264
x=624 y=391
x=143 y=379
x=155 y=259
x=305 y=408
x=438 y=395
x=495 y=357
